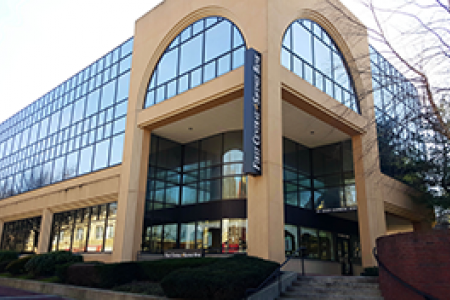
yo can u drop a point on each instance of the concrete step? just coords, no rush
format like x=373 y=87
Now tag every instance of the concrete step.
x=335 y=284
x=357 y=279
x=375 y=292
x=330 y=296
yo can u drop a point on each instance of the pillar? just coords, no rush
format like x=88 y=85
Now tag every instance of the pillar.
x=45 y=231
x=131 y=202
x=371 y=216
x=265 y=205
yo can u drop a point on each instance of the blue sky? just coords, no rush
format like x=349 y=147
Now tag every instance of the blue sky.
x=44 y=42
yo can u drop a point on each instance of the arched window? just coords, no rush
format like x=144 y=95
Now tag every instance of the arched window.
x=309 y=52
x=203 y=51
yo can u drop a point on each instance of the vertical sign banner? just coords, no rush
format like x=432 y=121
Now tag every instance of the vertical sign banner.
x=252 y=113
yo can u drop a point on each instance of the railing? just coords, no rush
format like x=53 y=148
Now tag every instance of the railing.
x=405 y=284
x=277 y=273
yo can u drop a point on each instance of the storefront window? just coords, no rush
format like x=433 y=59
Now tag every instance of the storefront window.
x=83 y=230
x=187 y=236
x=208 y=236
x=21 y=235
x=226 y=236
x=234 y=235
x=291 y=242
x=310 y=241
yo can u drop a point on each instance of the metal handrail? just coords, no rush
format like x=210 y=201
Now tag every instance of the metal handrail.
x=277 y=273
x=405 y=284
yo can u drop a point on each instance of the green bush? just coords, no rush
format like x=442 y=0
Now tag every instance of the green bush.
x=45 y=264
x=6 y=255
x=146 y=288
x=4 y=264
x=158 y=269
x=227 y=279
x=102 y=275
x=17 y=267
x=370 y=271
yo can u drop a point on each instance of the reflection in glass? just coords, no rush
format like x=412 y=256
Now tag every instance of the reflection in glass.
x=309 y=52
x=204 y=50
x=208 y=236
x=310 y=241
x=187 y=236
x=234 y=235
x=291 y=241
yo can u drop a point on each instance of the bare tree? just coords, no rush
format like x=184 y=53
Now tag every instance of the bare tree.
x=414 y=38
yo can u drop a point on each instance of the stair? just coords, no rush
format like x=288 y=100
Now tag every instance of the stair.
x=333 y=288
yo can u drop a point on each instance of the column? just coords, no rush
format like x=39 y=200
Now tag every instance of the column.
x=131 y=202
x=265 y=205
x=371 y=216
x=45 y=231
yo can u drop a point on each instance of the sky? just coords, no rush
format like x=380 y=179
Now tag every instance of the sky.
x=45 y=42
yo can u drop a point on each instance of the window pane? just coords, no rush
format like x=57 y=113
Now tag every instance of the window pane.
x=217 y=40
x=116 y=150
x=85 y=160
x=234 y=235
x=191 y=55
x=101 y=155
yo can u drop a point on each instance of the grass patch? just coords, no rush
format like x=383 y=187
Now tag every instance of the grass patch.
x=53 y=279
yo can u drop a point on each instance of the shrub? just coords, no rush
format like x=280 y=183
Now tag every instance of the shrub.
x=370 y=271
x=17 y=267
x=158 y=269
x=102 y=275
x=45 y=264
x=227 y=279
x=6 y=255
x=61 y=271
x=4 y=264
x=146 y=288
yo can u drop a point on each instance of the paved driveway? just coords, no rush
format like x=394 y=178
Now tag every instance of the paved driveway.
x=7 y=293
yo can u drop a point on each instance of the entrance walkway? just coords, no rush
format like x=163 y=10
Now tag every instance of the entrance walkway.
x=7 y=293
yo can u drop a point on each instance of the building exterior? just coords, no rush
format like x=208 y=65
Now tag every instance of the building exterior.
x=145 y=150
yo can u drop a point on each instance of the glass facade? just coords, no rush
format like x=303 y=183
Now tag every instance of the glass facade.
x=320 y=244
x=215 y=236
x=88 y=229
x=401 y=133
x=203 y=51
x=21 y=235
x=311 y=53
x=197 y=172
x=319 y=178
x=74 y=129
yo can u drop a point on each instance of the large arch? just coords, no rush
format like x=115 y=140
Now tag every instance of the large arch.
x=204 y=50
x=311 y=53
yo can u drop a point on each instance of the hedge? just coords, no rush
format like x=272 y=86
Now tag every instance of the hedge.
x=4 y=264
x=45 y=264
x=158 y=269
x=110 y=275
x=101 y=275
x=226 y=279
x=6 y=255
x=17 y=267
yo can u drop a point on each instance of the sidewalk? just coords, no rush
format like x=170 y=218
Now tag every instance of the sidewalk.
x=7 y=293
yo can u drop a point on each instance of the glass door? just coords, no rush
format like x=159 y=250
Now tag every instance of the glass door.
x=343 y=254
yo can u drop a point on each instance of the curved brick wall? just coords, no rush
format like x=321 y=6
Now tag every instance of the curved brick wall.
x=422 y=259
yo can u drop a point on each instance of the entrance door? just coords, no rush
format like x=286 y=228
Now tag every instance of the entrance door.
x=343 y=254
